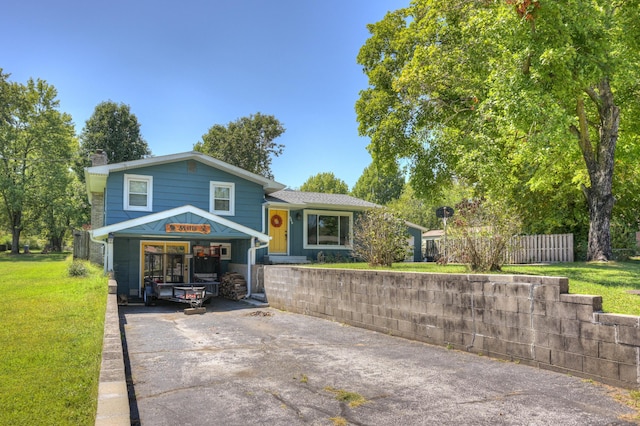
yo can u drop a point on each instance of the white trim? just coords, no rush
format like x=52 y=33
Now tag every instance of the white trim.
x=101 y=233
x=139 y=178
x=305 y=225
x=232 y=197
x=96 y=176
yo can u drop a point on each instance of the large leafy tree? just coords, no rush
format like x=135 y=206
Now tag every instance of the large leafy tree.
x=247 y=142
x=379 y=185
x=36 y=148
x=114 y=129
x=529 y=99
x=325 y=182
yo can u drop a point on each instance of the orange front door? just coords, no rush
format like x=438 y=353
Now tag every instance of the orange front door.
x=278 y=226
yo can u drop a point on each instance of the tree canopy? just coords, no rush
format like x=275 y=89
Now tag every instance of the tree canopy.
x=379 y=185
x=36 y=148
x=114 y=129
x=247 y=142
x=530 y=100
x=325 y=182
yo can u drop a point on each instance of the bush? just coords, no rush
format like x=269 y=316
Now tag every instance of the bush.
x=480 y=235
x=78 y=268
x=380 y=238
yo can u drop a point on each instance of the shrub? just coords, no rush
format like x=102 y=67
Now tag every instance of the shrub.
x=380 y=238
x=78 y=268
x=480 y=235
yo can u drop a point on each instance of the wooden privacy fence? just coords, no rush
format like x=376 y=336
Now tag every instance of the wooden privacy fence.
x=524 y=249
x=81 y=243
x=541 y=249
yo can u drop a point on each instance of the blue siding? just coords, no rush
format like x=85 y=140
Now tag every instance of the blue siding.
x=181 y=183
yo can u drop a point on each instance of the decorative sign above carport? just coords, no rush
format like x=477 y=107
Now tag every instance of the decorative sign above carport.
x=188 y=227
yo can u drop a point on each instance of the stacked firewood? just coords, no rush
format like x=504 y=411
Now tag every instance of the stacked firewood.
x=233 y=286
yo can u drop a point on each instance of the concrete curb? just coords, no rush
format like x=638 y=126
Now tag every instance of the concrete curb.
x=113 y=399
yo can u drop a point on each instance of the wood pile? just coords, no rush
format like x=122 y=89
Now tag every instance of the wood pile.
x=233 y=286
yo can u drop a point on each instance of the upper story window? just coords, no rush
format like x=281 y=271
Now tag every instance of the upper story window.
x=222 y=198
x=326 y=229
x=138 y=193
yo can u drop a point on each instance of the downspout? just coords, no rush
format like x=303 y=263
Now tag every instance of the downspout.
x=104 y=250
x=251 y=259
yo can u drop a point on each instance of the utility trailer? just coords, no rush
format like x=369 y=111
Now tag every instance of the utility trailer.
x=194 y=294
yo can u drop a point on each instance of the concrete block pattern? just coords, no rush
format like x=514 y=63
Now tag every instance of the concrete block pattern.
x=529 y=318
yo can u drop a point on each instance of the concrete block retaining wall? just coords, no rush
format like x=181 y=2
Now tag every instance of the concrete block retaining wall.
x=113 y=399
x=529 y=319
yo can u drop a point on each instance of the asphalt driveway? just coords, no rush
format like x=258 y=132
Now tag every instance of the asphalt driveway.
x=241 y=365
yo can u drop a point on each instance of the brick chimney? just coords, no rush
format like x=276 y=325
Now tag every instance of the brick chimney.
x=99 y=158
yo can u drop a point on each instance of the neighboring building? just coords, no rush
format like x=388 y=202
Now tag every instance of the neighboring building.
x=431 y=243
x=162 y=218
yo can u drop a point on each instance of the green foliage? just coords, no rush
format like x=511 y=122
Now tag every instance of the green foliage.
x=326 y=182
x=78 y=268
x=380 y=238
x=51 y=341
x=114 y=129
x=422 y=210
x=479 y=234
x=527 y=104
x=378 y=184
x=36 y=148
x=247 y=143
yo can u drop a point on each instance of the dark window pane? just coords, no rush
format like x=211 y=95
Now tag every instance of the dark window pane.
x=312 y=229
x=328 y=230
x=344 y=230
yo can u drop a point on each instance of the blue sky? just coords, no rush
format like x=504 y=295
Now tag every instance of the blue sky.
x=184 y=66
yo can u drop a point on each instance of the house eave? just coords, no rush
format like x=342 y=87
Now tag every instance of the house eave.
x=122 y=227
x=96 y=176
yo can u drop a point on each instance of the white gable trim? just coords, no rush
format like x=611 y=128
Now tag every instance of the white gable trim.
x=96 y=176
x=103 y=232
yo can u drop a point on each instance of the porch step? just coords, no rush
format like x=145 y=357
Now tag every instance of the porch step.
x=281 y=260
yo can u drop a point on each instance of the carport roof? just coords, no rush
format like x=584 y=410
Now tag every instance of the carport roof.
x=153 y=224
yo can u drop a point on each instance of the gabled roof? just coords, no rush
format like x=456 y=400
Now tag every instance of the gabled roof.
x=153 y=222
x=317 y=200
x=96 y=176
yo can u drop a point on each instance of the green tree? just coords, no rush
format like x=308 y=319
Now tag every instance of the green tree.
x=36 y=147
x=379 y=185
x=528 y=99
x=114 y=129
x=64 y=209
x=247 y=143
x=325 y=182
x=380 y=238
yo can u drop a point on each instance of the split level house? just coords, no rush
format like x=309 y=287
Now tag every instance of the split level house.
x=182 y=217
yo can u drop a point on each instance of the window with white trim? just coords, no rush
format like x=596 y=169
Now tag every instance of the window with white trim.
x=327 y=229
x=222 y=198
x=138 y=193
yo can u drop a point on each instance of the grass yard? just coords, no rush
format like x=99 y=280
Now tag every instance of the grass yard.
x=50 y=340
x=610 y=280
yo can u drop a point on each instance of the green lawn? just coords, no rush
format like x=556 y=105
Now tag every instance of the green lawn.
x=610 y=280
x=50 y=341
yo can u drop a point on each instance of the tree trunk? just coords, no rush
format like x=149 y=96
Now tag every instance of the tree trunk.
x=600 y=208
x=600 y=162
x=16 y=229
x=56 y=241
